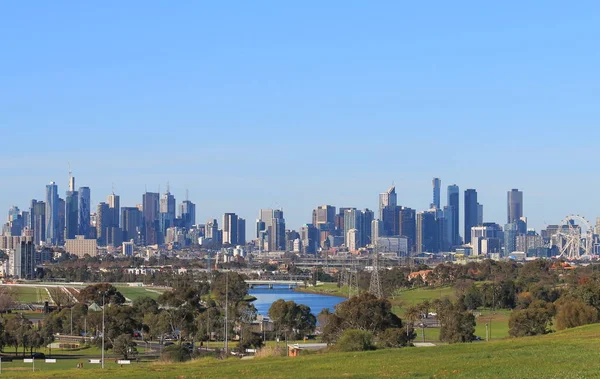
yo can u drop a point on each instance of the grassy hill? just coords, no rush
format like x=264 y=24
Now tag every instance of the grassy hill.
x=567 y=354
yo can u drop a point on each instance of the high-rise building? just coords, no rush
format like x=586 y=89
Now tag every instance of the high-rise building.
x=52 y=214
x=103 y=223
x=514 y=205
x=437 y=185
x=71 y=210
x=187 y=212
x=453 y=213
x=212 y=230
x=22 y=261
x=241 y=229
x=365 y=222
x=351 y=221
x=309 y=237
x=131 y=222
x=61 y=220
x=277 y=231
x=83 y=222
x=230 y=229
x=114 y=204
x=38 y=221
x=376 y=227
x=408 y=226
x=150 y=211
x=387 y=199
x=471 y=213
x=479 y=214
x=323 y=218
x=486 y=238
x=510 y=238
x=353 y=239
x=427 y=232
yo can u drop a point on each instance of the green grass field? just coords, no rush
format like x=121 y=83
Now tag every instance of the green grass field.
x=558 y=355
x=133 y=293
x=30 y=294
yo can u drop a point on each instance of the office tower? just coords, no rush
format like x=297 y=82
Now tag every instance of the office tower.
x=230 y=229
x=324 y=215
x=452 y=217
x=131 y=222
x=61 y=220
x=84 y=205
x=114 y=204
x=510 y=238
x=514 y=205
x=241 y=229
x=211 y=230
x=351 y=221
x=309 y=236
x=150 y=210
x=364 y=227
x=376 y=227
x=103 y=223
x=339 y=222
x=437 y=185
x=471 y=213
x=486 y=238
x=52 y=210
x=408 y=226
x=427 y=233
x=167 y=212
x=353 y=238
x=38 y=221
x=277 y=231
x=22 y=260
x=71 y=211
x=187 y=212
x=479 y=214
x=387 y=199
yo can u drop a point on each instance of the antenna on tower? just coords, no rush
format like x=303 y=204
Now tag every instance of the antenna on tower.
x=167 y=186
x=113 y=188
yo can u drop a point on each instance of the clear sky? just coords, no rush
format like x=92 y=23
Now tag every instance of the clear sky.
x=257 y=104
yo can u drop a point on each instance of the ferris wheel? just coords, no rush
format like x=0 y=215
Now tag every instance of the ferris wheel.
x=574 y=238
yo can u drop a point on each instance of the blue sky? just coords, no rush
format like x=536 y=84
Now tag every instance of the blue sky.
x=263 y=104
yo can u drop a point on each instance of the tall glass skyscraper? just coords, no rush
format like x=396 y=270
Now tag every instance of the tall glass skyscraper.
x=471 y=211
x=83 y=221
x=437 y=185
x=52 y=224
x=514 y=205
x=452 y=217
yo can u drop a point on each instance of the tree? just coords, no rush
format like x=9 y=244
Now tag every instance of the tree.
x=356 y=340
x=572 y=313
x=289 y=317
x=7 y=299
x=125 y=346
x=456 y=324
x=472 y=298
x=531 y=321
x=363 y=312
x=233 y=284
x=94 y=294
x=395 y=337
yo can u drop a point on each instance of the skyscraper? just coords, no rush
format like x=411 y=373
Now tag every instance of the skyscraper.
x=351 y=221
x=514 y=205
x=453 y=213
x=366 y=220
x=38 y=221
x=241 y=229
x=387 y=199
x=230 y=229
x=471 y=212
x=277 y=231
x=167 y=213
x=437 y=185
x=71 y=211
x=187 y=212
x=52 y=223
x=84 y=212
x=103 y=223
x=407 y=226
x=114 y=204
x=131 y=222
x=427 y=232
x=150 y=210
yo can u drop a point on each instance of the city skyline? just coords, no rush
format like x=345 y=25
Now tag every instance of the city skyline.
x=304 y=217
x=233 y=103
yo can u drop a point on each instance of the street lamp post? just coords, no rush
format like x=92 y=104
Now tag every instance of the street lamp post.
x=71 y=320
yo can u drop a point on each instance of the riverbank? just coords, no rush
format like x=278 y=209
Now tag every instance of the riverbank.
x=329 y=289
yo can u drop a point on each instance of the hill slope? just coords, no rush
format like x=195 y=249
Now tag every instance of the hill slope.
x=567 y=354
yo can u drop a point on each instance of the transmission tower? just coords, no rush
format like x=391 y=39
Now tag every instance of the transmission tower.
x=375 y=285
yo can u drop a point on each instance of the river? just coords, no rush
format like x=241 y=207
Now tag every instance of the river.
x=265 y=297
